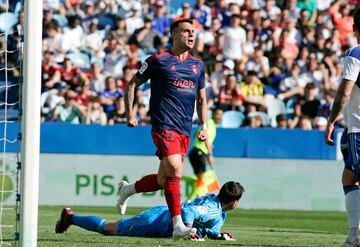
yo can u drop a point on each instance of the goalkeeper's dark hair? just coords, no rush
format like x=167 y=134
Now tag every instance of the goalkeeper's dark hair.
x=230 y=191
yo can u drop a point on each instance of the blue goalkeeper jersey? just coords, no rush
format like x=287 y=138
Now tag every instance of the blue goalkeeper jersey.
x=204 y=213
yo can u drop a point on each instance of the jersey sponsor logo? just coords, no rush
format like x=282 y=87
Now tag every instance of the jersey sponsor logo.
x=173 y=68
x=194 y=68
x=143 y=68
x=201 y=210
x=184 y=83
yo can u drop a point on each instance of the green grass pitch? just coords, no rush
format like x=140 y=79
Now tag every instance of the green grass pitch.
x=270 y=228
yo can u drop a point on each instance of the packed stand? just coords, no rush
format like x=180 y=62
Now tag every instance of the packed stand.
x=269 y=63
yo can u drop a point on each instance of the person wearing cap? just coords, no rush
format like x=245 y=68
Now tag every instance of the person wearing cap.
x=162 y=21
x=147 y=38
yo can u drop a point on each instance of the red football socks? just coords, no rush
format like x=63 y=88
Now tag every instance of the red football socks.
x=148 y=183
x=172 y=195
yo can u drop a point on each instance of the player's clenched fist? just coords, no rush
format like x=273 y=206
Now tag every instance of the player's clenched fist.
x=132 y=122
x=202 y=135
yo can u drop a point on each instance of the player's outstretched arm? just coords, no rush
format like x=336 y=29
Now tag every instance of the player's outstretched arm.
x=341 y=99
x=129 y=101
x=201 y=108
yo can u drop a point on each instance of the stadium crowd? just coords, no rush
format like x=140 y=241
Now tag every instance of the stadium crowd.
x=274 y=63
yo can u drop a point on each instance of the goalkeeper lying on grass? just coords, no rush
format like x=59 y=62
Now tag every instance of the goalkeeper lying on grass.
x=207 y=214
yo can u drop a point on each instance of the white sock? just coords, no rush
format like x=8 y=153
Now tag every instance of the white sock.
x=352 y=206
x=177 y=222
x=130 y=189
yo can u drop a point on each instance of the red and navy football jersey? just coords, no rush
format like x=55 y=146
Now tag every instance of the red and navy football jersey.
x=174 y=87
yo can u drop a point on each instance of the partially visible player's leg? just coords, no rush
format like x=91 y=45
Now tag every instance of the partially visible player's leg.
x=351 y=190
x=173 y=166
x=90 y=223
x=148 y=183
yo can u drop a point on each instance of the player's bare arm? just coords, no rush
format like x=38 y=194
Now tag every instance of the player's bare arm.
x=201 y=108
x=341 y=99
x=129 y=101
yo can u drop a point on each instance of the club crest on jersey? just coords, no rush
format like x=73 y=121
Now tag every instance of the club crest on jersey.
x=143 y=68
x=195 y=69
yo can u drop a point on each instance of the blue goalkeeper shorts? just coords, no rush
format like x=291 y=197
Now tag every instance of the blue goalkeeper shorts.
x=154 y=222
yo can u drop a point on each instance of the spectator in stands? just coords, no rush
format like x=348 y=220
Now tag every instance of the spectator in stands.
x=304 y=123
x=127 y=75
x=68 y=112
x=292 y=85
x=259 y=64
x=340 y=14
x=136 y=21
x=234 y=39
x=74 y=34
x=96 y=78
x=281 y=121
x=253 y=89
x=148 y=39
x=310 y=6
x=94 y=113
x=93 y=41
x=319 y=123
x=113 y=53
x=202 y=13
x=51 y=99
x=110 y=96
x=270 y=10
x=55 y=42
x=120 y=33
x=161 y=21
x=47 y=19
x=142 y=115
x=310 y=107
x=222 y=69
x=72 y=75
x=230 y=97
x=49 y=71
x=254 y=121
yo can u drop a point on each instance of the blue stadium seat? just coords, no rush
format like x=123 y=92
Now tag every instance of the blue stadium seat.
x=232 y=119
x=106 y=22
x=7 y=21
x=60 y=19
x=290 y=107
x=275 y=107
x=80 y=60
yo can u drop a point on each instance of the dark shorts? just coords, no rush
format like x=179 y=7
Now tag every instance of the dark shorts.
x=169 y=142
x=198 y=160
x=352 y=162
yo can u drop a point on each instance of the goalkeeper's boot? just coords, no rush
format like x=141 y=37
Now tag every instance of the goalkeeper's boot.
x=123 y=197
x=183 y=232
x=65 y=220
x=349 y=243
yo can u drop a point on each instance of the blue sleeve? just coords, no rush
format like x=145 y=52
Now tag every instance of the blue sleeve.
x=202 y=77
x=215 y=229
x=145 y=71
x=188 y=215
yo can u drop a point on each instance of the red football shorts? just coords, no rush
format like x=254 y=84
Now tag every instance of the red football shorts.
x=169 y=142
